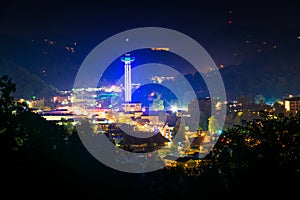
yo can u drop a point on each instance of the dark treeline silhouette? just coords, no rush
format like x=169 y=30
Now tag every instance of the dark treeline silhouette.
x=259 y=158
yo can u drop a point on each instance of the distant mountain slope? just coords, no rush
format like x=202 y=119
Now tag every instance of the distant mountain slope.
x=274 y=74
x=27 y=84
x=256 y=60
x=54 y=59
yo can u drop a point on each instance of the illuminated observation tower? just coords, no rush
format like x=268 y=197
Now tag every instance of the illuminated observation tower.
x=127 y=73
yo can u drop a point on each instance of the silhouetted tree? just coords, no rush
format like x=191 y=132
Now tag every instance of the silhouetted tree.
x=213 y=125
x=259 y=99
x=158 y=103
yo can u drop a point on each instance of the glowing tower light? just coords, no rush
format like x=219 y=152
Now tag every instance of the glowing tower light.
x=127 y=73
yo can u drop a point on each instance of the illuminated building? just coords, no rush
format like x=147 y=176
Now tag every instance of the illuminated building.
x=129 y=109
x=160 y=49
x=36 y=104
x=292 y=104
x=160 y=79
x=127 y=73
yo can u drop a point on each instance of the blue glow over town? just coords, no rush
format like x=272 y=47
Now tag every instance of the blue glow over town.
x=149 y=99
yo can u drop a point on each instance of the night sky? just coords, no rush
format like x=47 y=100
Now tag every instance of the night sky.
x=231 y=32
x=101 y=18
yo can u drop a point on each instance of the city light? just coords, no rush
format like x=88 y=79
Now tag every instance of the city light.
x=174 y=109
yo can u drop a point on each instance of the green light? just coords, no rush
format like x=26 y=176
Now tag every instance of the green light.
x=127 y=58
